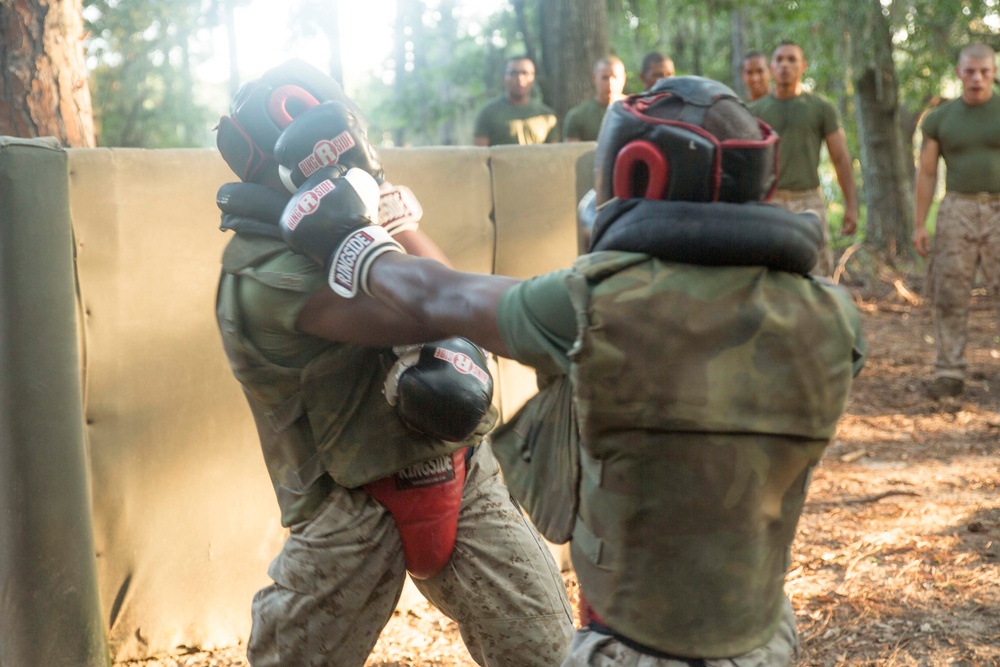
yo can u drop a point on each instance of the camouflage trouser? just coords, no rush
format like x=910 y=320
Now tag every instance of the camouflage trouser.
x=339 y=576
x=593 y=649
x=967 y=236
x=798 y=201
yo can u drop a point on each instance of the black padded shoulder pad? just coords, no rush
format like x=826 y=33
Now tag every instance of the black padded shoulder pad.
x=711 y=234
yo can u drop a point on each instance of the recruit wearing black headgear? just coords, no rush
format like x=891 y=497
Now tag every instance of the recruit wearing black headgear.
x=263 y=108
x=655 y=146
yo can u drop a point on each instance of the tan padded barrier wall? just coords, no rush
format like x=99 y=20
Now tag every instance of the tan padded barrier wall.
x=185 y=522
x=536 y=190
x=49 y=609
x=183 y=511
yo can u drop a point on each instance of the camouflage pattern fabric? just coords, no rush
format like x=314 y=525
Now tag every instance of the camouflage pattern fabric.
x=705 y=397
x=339 y=576
x=967 y=236
x=320 y=411
x=593 y=649
x=798 y=201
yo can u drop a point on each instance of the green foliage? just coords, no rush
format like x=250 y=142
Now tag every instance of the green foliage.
x=142 y=84
x=142 y=55
x=450 y=67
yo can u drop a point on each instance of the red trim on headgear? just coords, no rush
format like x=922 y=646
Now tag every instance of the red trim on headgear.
x=648 y=154
x=277 y=105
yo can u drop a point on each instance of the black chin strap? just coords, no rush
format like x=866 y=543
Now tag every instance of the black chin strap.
x=710 y=234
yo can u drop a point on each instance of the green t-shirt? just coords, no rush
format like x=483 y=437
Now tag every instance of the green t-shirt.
x=802 y=122
x=504 y=123
x=969 y=137
x=583 y=122
x=538 y=323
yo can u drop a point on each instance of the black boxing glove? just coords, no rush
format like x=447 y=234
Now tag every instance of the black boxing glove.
x=331 y=220
x=324 y=135
x=441 y=389
x=251 y=208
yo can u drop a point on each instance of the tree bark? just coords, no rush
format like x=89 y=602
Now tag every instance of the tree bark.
x=888 y=181
x=738 y=42
x=574 y=38
x=43 y=76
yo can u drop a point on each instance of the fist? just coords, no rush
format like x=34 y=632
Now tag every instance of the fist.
x=331 y=220
x=325 y=135
x=441 y=389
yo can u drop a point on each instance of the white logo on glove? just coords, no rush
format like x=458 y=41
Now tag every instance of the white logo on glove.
x=463 y=364
x=327 y=152
x=308 y=203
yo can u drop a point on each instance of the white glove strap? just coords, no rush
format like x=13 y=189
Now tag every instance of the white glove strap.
x=352 y=261
x=408 y=355
x=398 y=208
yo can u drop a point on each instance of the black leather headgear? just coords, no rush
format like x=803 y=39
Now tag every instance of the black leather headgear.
x=654 y=146
x=264 y=107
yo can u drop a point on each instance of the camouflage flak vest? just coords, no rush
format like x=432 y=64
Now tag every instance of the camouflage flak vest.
x=325 y=422
x=705 y=397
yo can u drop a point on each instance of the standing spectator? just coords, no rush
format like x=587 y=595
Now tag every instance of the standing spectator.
x=516 y=118
x=655 y=66
x=805 y=122
x=583 y=122
x=966 y=133
x=756 y=75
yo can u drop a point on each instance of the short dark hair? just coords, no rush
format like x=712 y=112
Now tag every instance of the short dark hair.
x=753 y=54
x=789 y=42
x=651 y=58
x=515 y=58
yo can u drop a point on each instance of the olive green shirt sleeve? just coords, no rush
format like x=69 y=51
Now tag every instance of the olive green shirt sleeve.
x=538 y=323
x=270 y=312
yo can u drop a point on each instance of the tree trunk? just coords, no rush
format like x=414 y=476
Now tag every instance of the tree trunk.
x=43 y=77
x=407 y=16
x=447 y=90
x=575 y=37
x=888 y=182
x=331 y=27
x=738 y=42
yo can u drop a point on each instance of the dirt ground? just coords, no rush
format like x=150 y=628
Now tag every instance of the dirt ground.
x=897 y=560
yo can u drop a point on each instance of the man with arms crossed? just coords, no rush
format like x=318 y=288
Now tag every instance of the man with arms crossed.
x=515 y=117
x=692 y=470
x=805 y=122
x=966 y=133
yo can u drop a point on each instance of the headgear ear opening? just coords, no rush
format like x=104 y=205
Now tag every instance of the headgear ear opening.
x=641 y=170
x=287 y=102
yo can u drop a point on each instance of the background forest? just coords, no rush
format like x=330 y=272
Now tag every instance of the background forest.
x=882 y=62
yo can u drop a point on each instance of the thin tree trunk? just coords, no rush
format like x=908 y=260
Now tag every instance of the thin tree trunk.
x=43 y=77
x=888 y=183
x=331 y=26
x=738 y=41
x=575 y=37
